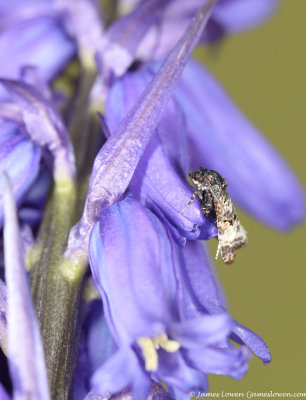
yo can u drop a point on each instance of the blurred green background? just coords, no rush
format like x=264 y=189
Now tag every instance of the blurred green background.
x=265 y=73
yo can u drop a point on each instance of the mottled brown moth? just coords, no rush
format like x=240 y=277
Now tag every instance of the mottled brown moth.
x=216 y=204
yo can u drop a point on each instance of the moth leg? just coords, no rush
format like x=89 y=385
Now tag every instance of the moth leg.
x=189 y=202
x=218 y=251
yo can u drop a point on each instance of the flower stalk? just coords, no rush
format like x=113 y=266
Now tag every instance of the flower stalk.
x=56 y=297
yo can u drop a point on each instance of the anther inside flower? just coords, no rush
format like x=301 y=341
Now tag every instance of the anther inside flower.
x=149 y=347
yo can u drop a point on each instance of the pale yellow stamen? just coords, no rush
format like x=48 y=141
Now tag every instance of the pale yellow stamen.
x=150 y=345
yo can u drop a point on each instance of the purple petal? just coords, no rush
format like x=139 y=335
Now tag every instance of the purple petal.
x=80 y=380
x=44 y=125
x=129 y=234
x=100 y=343
x=20 y=159
x=96 y=346
x=31 y=210
x=238 y=15
x=228 y=17
x=9 y=112
x=244 y=335
x=198 y=273
x=33 y=41
x=168 y=29
x=19 y=11
x=171 y=129
x=3 y=316
x=208 y=230
x=117 y=160
x=224 y=361
x=203 y=330
x=113 y=376
x=83 y=22
x=33 y=77
x=122 y=39
x=224 y=140
x=159 y=176
x=199 y=277
x=25 y=351
x=3 y=394
x=174 y=371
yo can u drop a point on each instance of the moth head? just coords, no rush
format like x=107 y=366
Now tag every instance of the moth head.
x=209 y=177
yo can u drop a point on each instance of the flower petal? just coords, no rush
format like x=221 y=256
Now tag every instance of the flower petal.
x=203 y=330
x=228 y=17
x=100 y=343
x=224 y=361
x=224 y=140
x=20 y=158
x=128 y=235
x=32 y=208
x=238 y=15
x=206 y=296
x=121 y=40
x=198 y=273
x=159 y=176
x=33 y=41
x=3 y=394
x=3 y=316
x=174 y=371
x=243 y=335
x=25 y=351
x=44 y=125
x=96 y=346
x=117 y=160
x=84 y=23
x=113 y=376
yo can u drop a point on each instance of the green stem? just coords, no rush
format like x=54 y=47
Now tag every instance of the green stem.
x=56 y=293
x=56 y=282
x=77 y=126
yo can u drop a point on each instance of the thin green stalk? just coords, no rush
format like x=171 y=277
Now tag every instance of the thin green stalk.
x=77 y=126
x=57 y=298
x=57 y=282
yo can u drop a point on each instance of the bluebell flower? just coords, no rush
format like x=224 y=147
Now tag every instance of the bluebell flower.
x=142 y=302
x=163 y=313
x=31 y=116
x=31 y=34
x=117 y=160
x=163 y=166
x=19 y=326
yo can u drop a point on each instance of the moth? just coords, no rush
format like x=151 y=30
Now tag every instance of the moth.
x=216 y=204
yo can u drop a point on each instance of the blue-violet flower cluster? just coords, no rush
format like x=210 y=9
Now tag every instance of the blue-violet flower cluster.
x=107 y=290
